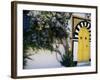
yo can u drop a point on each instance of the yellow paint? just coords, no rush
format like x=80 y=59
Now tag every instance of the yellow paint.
x=83 y=45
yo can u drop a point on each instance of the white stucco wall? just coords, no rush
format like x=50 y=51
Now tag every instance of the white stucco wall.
x=44 y=59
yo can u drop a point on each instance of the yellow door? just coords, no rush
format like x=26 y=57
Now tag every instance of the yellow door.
x=83 y=45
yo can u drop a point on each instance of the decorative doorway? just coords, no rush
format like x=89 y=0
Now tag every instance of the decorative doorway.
x=83 y=44
x=81 y=41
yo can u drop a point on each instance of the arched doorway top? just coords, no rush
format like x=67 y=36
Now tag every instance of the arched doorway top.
x=80 y=25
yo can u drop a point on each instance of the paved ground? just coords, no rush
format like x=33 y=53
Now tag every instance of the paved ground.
x=84 y=64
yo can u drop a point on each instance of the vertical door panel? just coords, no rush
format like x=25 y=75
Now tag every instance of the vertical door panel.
x=83 y=45
x=86 y=45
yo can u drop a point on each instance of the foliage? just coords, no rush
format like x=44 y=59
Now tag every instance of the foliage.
x=67 y=60
x=42 y=28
